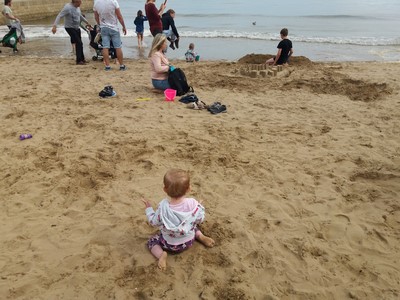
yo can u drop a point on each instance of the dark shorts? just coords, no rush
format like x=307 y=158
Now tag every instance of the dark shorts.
x=159 y=240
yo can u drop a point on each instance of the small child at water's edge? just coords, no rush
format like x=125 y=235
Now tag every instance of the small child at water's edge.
x=177 y=217
x=139 y=22
x=191 y=55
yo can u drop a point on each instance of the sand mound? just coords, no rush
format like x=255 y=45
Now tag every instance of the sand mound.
x=333 y=83
x=261 y=58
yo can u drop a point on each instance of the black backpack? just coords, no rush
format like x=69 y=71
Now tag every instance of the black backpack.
x=177 y=81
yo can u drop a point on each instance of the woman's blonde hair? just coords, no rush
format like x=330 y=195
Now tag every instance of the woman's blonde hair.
x=176 y=183
x=157 y=44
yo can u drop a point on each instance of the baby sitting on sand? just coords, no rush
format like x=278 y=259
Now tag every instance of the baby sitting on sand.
x=177 y=217
x=191 y=55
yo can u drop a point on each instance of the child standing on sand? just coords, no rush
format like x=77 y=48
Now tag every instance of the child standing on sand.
x=177 y=217
x=285 y=50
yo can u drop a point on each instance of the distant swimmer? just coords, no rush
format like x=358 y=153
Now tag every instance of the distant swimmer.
x=254 y=23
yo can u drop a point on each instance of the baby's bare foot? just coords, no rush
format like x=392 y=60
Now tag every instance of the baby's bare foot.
x=206 y=241
x=162 y=261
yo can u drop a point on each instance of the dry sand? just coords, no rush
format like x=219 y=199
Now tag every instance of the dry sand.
x=300 y=180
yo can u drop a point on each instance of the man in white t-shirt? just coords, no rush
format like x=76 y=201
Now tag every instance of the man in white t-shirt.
x=107 y=14
x=7 y=13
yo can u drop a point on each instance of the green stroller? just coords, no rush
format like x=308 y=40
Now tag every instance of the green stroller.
x=13 y=37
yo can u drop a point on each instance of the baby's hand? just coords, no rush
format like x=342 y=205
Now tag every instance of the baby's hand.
x=146 y=203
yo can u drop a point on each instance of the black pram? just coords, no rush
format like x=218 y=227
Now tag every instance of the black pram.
x=95 y=43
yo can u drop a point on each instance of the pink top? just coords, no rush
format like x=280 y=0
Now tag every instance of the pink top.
x=159 y=66
x=186 y=205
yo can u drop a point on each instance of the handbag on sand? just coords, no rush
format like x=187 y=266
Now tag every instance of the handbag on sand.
x=177 y=81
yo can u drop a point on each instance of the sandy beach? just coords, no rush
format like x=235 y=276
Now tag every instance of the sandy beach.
x=300 y=179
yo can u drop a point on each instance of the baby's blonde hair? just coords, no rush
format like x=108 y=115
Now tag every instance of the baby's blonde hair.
x=176 y=183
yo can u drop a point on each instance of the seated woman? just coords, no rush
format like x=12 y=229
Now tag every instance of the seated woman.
x=159 y=63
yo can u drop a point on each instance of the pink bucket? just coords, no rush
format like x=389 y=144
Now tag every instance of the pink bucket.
x=170 y=94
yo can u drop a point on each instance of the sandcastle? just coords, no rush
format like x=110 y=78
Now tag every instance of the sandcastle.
x=259 y=70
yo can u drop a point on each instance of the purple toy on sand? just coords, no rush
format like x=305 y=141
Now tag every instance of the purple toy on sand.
x=25 y=136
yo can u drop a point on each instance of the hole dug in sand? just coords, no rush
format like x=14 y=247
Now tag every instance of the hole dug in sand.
x=332 y=83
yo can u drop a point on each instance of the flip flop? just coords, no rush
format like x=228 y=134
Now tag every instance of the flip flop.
x=201 y=104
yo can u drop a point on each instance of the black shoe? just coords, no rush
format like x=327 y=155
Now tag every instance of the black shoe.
x=177 y=44
x=216 y=108
x=172 y=46
x=108 y=91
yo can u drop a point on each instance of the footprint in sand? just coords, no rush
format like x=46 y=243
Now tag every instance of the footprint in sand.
x=340 y=227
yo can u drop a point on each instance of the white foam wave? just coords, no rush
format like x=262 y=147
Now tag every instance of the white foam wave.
x=362 y=41
x=32 y=32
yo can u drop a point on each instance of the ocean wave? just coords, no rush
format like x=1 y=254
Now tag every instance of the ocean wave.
x=32 y=32
x=356 y=17
x=362 y=41
x=250 y=16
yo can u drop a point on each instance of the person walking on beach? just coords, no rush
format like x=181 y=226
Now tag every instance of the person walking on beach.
x=139 y=22
x=72 y=20
x=8 y=14
x=154 y=16
x=285 y=50
x=172 y=34
x=177 y=217
x=159 y=63
x=107 y=14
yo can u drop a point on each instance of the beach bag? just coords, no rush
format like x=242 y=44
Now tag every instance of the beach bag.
x=177 y=81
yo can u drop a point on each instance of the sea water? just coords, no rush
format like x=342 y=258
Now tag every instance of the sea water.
x=336 y=30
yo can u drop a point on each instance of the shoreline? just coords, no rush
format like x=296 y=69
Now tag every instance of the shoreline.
x=210 y=49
